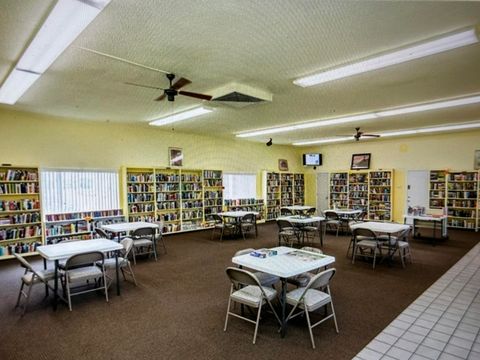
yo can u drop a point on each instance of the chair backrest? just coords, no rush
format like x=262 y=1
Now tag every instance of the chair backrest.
x=84 y=259
x=216 y=218
x=243 y=252
x=363 y=232
x=102 y=233
x=361 y=216
x=248 y=218
x=312 y=249
x=127 y=244
x=331 y=215
x=405 y=234
x=283 y=224
x=243 y=277
x=321 y=279
x=144 y=232
x=25 y=264
x=311 y=211
x=285 y=211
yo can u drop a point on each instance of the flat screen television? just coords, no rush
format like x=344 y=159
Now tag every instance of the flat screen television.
x=312 y=159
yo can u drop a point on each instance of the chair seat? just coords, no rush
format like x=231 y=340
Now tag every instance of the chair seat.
x=45 y=275
x=313 y=299
x=310 y=228
x=367 y=243
x=84 y=273
x=286 y=232
x=402 y=244
x=142 y=242
x=110 y=263
x=266 y=279
x=333 y=222
x=252 y=295
x=301 y=280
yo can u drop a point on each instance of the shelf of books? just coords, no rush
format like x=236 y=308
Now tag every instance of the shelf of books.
x=339 y=190
x=298 y=189
x=272 y=194
x=462 y=199
x=212 y=191
x=20 y=211
x=257 y=205
x=167 y=197
x=286 y=189
x=437 y=191
x=358 y=191
x=78 y=225
x=380 y=195
x=141 y=195
x=192 y=199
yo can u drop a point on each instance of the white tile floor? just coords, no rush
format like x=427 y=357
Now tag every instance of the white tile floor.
x=443 y=323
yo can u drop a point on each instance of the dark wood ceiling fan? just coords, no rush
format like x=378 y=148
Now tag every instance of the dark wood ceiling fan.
x=174 y=89
x=359 y=134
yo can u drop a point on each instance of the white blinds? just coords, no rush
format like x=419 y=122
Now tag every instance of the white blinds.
x=239 y=186
x=79 y=190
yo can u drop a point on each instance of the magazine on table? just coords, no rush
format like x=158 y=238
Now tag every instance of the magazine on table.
x=306 y=255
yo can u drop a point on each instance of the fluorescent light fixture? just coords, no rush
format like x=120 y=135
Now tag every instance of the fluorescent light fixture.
x=16 y=84
x=465 y=126
x=65 y=22
x=195 y=112
x=435 y=46
x=367 y=116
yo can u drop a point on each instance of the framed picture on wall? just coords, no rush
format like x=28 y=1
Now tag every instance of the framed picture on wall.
x=282 y=165
x=360 y=161
x=476 y=164
x=175 y=156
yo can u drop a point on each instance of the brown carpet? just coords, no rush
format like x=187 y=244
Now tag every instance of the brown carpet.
x=178 y=310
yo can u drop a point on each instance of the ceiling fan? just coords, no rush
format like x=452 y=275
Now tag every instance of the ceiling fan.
x=173 y=90
x=360 y=134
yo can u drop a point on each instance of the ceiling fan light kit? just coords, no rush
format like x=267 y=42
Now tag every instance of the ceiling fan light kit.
x=416 y=51
x=65 y=22
x=181 y=116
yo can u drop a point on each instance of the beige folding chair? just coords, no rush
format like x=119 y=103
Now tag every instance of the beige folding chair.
x=304 y=278
x=311 y=298
x=287 y=233
x=247 y=224
x=144 y=243
x=312 y=231
x=247 y=290
x=221 y=225
x=30 y=278
x=400 y=244
x=123 y=262
x=81 y=268
x=367 y=242
x=265 y=279
x=332 y=221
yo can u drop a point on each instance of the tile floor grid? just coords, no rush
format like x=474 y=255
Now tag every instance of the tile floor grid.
x=431 y=321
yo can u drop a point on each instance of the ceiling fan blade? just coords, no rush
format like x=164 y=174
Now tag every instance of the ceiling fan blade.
x=181 y=83
x=145 y=86
x=196 y=95
x=349 y=135
x=161 y=97
x=370 y=135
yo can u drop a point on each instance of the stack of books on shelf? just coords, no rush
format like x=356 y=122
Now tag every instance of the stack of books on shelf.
x=252 y=204
x=339 y=190
x=213 y=191
x=299 y=189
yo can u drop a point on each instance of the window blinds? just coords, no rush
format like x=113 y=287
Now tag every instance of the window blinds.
x=239 y=186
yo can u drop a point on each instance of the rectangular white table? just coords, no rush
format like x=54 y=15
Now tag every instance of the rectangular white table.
x=126 y=227
x=428 y=221
x=284 y=266
x=64 y=250
x=346 y=212
x=298 y=208
x=301 y=221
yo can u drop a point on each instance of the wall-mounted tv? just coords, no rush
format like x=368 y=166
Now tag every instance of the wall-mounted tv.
x=312 y=159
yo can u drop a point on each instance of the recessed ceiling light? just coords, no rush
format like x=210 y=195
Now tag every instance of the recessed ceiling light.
x=64 y=23
x=184 y=115
x=427 y=48
x=16 y=84
x=367 y=116
x=474 y=125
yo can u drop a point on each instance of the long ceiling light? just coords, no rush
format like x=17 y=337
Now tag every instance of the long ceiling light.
x=195 y=112
x=367 y=116
x=66 y=21
x=474 y=125
x=417 y=51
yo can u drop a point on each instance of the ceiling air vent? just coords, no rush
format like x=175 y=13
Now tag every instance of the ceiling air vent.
x=239 y=95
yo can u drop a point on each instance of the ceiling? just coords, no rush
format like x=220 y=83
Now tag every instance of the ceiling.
x=263 y=44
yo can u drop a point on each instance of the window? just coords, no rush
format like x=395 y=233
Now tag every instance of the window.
x=78 y=190
x=239 y=186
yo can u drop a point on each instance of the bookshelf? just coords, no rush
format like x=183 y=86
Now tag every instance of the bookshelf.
x=299 y=189
x=78 y=225
x=192 y=199
x=167 y=198
x=358 y=191
x=21 y=228
x=257 y=205
x=286 y=189
x=462 y=199
x=380 y=195
x=437 y=191
x=272 y=194
x=339 y=190
x=213 y=191
x=141 y=195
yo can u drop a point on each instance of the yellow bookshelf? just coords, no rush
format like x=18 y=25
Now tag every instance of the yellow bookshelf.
x=272 y=191
x=299 y=189
x=213 y=191
x=167 y=199
x=462 y=199
x=191 y=185
x=437 y=190
x=140 y=194
x=286 y=189
x=380 y=195
x=339 y=190
x=358 y=190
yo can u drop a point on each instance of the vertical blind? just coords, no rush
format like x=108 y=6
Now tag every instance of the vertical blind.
x=67 y=190
x=239 y=186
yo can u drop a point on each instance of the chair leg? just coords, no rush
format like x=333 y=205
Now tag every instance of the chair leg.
x=338 y=228
x=19 y=294
x=354 y=253
x=134 y=256
x=27 y=300
x=256 y=324
x=105 y=284
x=154 y=248
x=131 y=273
x=67 y=285
x=310 y=328
x=374 y=257
x=228 y=311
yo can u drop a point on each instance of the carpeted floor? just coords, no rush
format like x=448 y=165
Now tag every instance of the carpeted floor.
x=178 y=310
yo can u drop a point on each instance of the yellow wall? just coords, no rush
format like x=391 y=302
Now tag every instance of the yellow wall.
x=29 y=139
x=454 y=151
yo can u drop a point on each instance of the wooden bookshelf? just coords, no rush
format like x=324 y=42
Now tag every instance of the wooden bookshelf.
x=298 y=189
x=358 y=190
x=257 y=205
x=141 y=195
x=21 y=228
x=286 y=189
x=272 y=193
x=78 y=225
x=437 y=190
x=212 y=191
x=167 y=197
x=462 y=199
x=339 y=190
x=380 y=195
x=192 y=199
